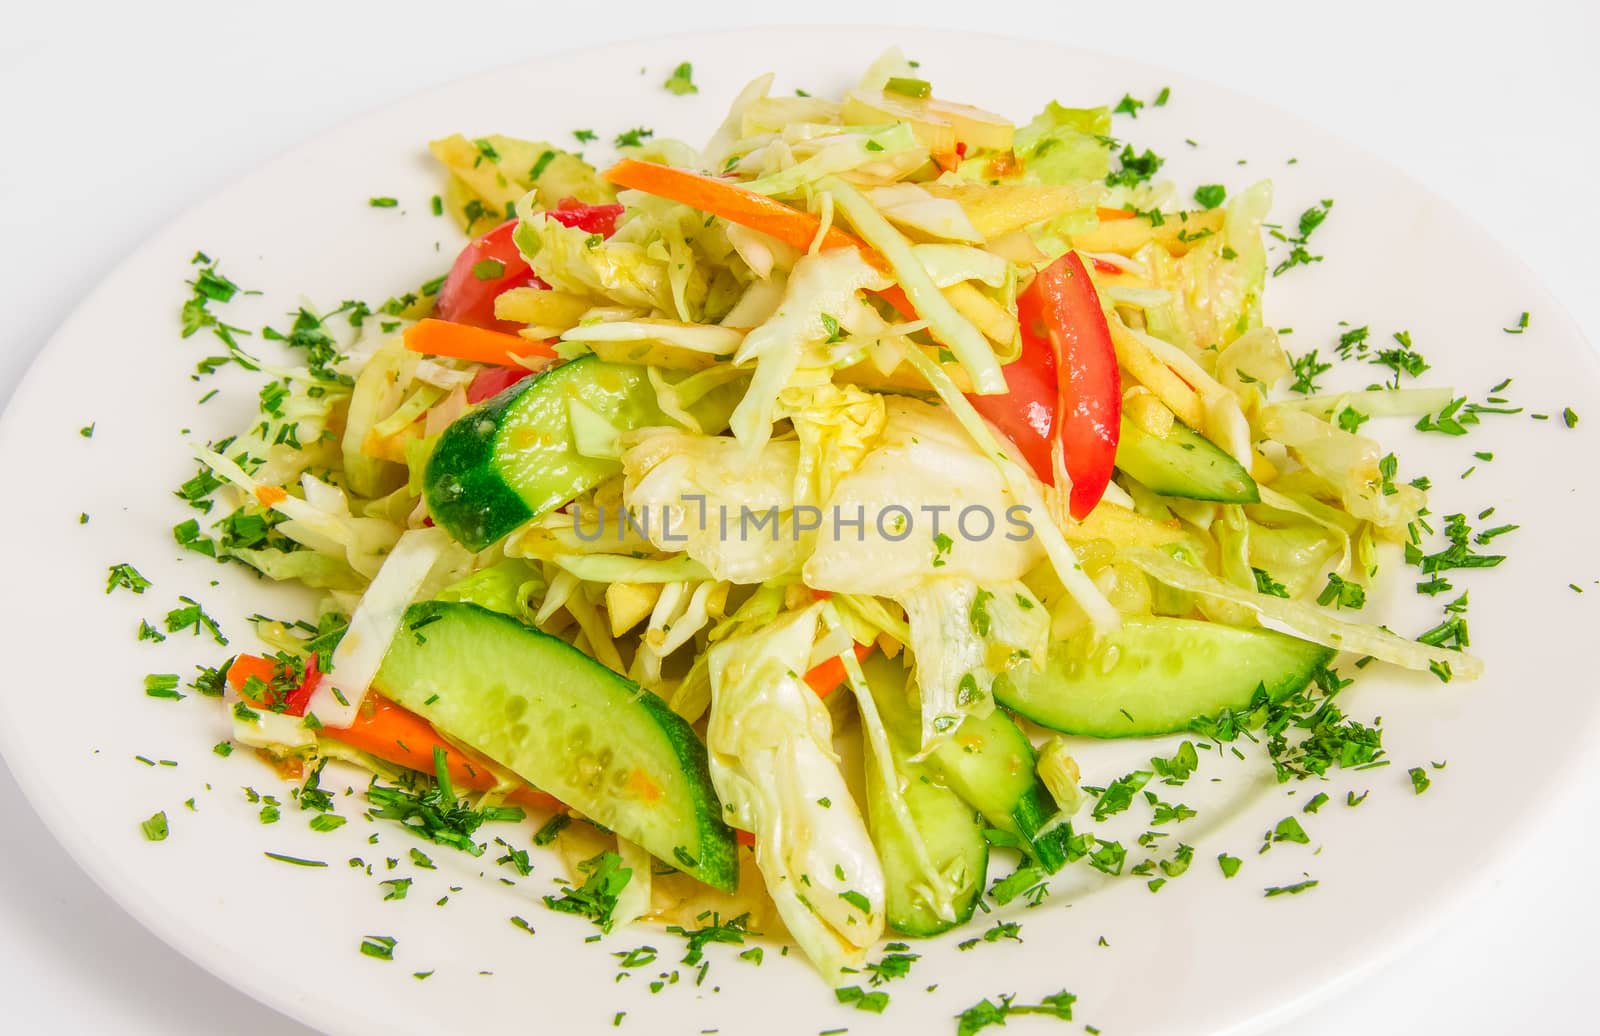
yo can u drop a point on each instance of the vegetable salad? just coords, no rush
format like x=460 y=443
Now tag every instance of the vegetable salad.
x=772 y=518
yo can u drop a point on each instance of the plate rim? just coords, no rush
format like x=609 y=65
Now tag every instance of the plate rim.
x=192 y=941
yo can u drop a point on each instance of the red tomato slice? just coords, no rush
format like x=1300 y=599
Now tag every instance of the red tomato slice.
x=491 y=381
x=485 y=268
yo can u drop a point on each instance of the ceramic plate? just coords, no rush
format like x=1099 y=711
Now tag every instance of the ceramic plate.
x=1204 y=954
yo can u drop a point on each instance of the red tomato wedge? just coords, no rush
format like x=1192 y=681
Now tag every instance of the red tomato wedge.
x=1065 y=386
x=488 y=266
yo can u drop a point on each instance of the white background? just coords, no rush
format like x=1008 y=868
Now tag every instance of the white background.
x=114 y=117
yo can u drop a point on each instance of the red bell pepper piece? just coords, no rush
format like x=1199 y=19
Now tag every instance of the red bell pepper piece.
x=595 y=219
x=1065 y=386
x=293 y=702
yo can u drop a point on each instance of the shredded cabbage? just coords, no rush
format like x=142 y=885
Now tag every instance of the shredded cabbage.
x=376 y=622
x=1306 y=621
x=770 y=742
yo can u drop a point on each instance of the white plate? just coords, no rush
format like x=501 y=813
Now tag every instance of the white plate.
x=1202 y=955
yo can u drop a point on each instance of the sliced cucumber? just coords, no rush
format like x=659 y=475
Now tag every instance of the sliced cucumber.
x=567 y=725
x=1156 y=675
x=947 y=828
x=514 y=458
x=989 y=762
x=1184 y=463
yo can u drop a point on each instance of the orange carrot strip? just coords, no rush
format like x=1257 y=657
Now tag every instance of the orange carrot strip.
x=1108 y=215
x=733 y=203
x=464 y=342
x=399 y=736
x=825 y=676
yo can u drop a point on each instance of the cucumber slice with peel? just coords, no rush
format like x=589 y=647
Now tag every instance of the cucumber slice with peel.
x=516 y=457
x=1183 y=463
x=1157 y=675
x=567 y=725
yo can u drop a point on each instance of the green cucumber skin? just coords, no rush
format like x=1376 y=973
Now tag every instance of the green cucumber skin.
x=1184 y=463
x=950 y=830
x=478 y=676
x=1169 y=672
x=512 y=459
x=949 y=827
x=989 y=763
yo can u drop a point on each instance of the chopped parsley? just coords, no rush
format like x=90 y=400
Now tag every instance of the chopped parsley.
x=1210 y=195
x=155 y=829
x=1027 y=881
x=1289 y=830
x=731 y=932
x=1129 y=105
x=434 y=813
x=1299 y=255
x=378 y=946
x=585 y=136
x=1267 y=585
x=596 y=898
x=995 y=1012
x=1176 y=770
x=874 y=1002
x=1291 y=890
x=1307 y=369
x=193 y=617
x=1342 y=593
x=633 y=138
x=1520 y=326
x=1118 y=795
x=1229 y=864
x=1135 y=169
x=128 y=578
x=383 y=203
x=1402 y=359
x=1419 y=779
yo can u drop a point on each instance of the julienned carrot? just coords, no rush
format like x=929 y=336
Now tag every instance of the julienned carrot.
x=1108 y=215
x=399 y=736
x=733 y=203
x=465 y=342
x=825 y=676
x=402 y=737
